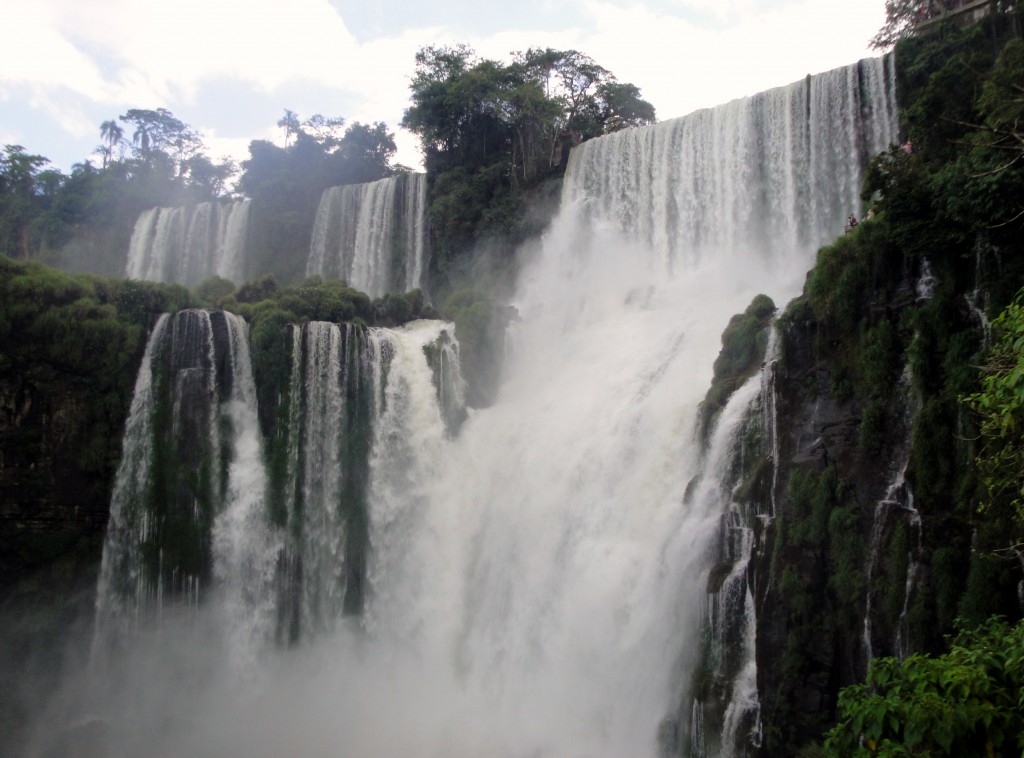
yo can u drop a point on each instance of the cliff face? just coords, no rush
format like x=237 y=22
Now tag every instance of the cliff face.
x=872 y=547
x=57 y=465
x=50 y=507
x=813 y=559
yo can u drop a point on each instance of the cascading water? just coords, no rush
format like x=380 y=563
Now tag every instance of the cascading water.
x=372 y=235
x=729 y=621
x=191 y=455
x=534 y=576
x=188 y=244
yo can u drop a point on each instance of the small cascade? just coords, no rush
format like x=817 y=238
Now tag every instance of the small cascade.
x=727 y=619
x=894 y=517
x=246 y=549
x=769 y=410
x=727 y=700
x=190 y=454
x=892 y=566
x=366 y=406
x=976 y=302
x=418 y=405
x=926 y=282
x=372 y=235
x=901 y=646
x=445 y=360
x=187 y=244
x=336 y=370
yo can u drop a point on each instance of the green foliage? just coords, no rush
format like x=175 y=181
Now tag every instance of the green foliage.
x=72 y=345
x=491 y=130
x=260 y=289
x=837 y=288
x=999 y=406
x=285 y=184
x=480 y=324
x=743 y=347
x=965 y=702
x=209 y=292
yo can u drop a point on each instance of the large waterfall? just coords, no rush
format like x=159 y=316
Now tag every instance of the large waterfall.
x=372 y=235
x=190 y=243
x=532 y=581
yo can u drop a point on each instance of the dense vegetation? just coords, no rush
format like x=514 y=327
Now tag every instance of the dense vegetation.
x=492 y=133
x=893 y=318
x=83 y=220
x=743 y=347
x=893 y=321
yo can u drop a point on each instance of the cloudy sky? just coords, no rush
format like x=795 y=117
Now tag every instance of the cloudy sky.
x=229 y=68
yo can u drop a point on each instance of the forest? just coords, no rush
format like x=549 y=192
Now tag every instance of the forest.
x=946 y=207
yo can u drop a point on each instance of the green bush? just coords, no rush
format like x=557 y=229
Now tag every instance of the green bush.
x=966 y=702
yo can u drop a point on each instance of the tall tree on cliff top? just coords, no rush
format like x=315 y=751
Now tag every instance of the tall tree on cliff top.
x=490 y=130
x=22 y=198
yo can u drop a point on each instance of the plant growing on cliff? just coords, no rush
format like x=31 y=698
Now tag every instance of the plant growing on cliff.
x=966 y=702
x=999 y=407
x=743 y=348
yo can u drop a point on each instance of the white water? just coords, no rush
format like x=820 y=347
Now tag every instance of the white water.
x=372 y=235
x=536 y=582
x=896 y=506
x=245 y=550
x=121 y=593
x=321 y=404
x=187 y=244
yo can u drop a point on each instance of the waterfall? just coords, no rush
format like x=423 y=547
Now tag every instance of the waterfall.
x=372 y=235
x=335 y=373
x=768 y=176
x=528 y=579
x=191 y=458
x=245 y=549
x=188 y=244
x=894 y=516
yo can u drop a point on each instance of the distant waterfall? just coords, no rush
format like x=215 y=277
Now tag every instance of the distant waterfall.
x=187 y=244
x=372 y=235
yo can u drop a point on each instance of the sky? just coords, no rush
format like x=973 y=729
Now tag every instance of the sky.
x=229 y=68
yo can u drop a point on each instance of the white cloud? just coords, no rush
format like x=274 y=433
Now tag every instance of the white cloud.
x=122 y=53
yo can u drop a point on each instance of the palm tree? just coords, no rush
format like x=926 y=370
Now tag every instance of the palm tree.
x=142 y=138
x=290 y=123
x=111 y=133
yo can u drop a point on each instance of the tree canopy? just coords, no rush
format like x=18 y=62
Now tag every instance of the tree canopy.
x=492 y=130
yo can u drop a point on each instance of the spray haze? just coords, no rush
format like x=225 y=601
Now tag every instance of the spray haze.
x=535 y=581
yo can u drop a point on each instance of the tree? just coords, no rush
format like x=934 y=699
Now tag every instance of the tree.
x=112 y=134
x=324 y=129
x=999 y=407
x=578 y=77
x=207 y=179
x=621 y=107
x=290 y=123
x=363 y=154
x=966 y=702
x=490 y=130
x=22 y=191
x=161 y=139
